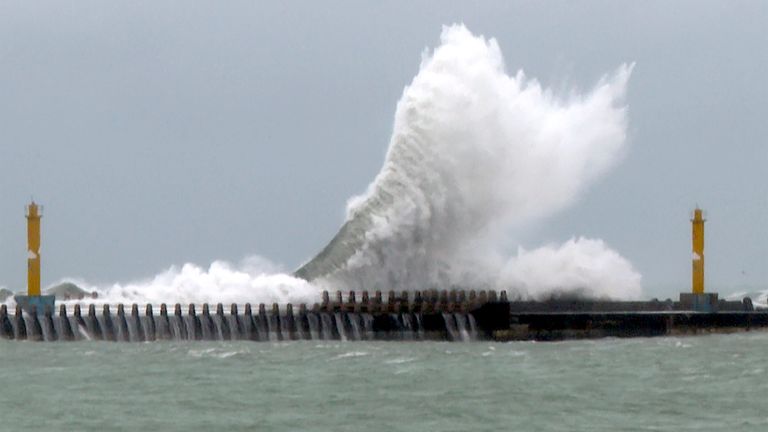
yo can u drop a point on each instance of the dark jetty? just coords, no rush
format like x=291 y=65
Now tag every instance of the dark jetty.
x=455 y=315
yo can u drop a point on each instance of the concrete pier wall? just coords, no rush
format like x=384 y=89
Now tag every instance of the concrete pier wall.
x=454 y=315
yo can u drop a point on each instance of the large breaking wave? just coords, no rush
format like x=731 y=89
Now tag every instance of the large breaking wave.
x=477 y=157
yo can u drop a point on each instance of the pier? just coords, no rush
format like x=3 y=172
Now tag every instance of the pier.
x=455 y=315
x=430 y=315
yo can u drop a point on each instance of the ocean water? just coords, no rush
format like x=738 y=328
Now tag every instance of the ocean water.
x=704 y=383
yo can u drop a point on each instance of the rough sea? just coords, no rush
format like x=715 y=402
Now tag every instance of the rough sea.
x=701 y=383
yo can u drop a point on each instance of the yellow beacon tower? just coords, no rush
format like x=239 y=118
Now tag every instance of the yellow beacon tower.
x=33 y=249
x=697 y=300
x=698 y=252
x=34 y=302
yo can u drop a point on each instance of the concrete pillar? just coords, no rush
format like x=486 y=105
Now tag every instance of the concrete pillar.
x=415 y=306
x=209 y=331
x=194 y=326
x=6 y=328
x=96 y=327
x=226 y=333
x=236 y=324
x=122 y=325
x=326 y=300
x=107 y=326
x=108 y=329
x=34 y=330
x=391 y=300
x=249 y=323
x=747 y=304
x=263 y=322
x=290 y=323
x=275 y=317
x=20 y=324
x=461 y=296
x=48 y=323
x=303 y=321
x=140 y=336
x=427 y=307
x=150 y=328
x=443 y=299
x=163 y=324
x=183 y=332
x=77 y=322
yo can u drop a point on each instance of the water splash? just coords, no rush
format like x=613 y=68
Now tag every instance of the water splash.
x=254 y=280
x=478 y=155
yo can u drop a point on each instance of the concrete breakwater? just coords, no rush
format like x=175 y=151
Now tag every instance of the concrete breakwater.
x=431 y=315
x=454 y=315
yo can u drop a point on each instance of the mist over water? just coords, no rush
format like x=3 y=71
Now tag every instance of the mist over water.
x=477 y=157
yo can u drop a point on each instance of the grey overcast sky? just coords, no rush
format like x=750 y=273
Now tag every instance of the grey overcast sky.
x=158 y=133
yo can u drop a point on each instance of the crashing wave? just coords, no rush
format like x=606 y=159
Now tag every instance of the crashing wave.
x=477 y=157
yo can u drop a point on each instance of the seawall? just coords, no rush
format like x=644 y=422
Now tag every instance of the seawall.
x=455 y=315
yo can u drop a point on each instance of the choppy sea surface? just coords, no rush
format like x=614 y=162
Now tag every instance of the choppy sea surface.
x=703 y=383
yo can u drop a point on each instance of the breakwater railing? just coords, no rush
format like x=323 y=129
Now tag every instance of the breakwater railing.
x=454 y=315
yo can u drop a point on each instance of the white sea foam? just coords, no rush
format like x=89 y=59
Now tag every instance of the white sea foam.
x=254 y=280
x=759 y=297
x=581 y=266
x=477 y=157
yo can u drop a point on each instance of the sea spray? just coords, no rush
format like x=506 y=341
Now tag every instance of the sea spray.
x=254 y=280
x=476 y=156
x=580 y=266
